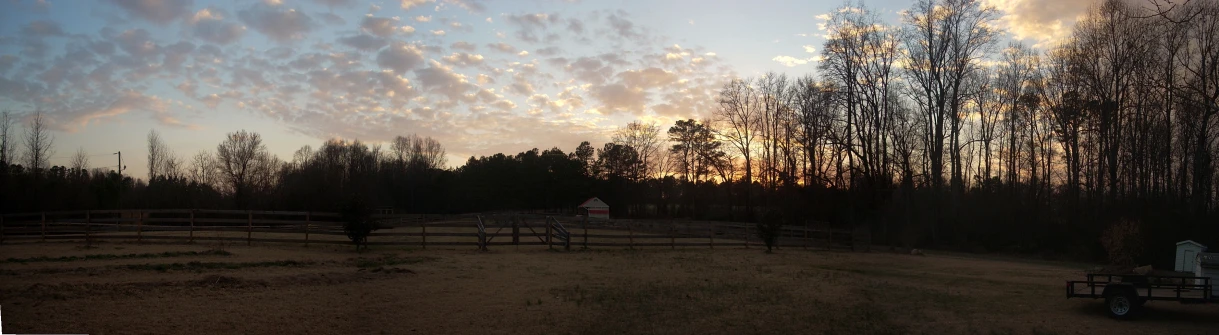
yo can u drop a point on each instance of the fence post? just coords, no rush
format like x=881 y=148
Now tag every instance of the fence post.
x=747 y=235
x=711 y=235
x=306 y=229
x=516 y=233
x=806 y=240
x=192 y=226
x=249 y=230
x=778 y=236
x=44 y=226
x=630 y=234
x=139 y=227
x=585 y=232
x=1 y=228
x=88 y=229
x=424 y=226
x=673 y=235
x=548 y=234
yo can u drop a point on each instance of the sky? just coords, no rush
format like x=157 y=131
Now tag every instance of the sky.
x=481 y=77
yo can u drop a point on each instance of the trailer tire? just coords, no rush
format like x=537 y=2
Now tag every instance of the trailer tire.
x=1122 y=304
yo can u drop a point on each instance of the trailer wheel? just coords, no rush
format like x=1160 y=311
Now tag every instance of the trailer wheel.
x=1122 y=304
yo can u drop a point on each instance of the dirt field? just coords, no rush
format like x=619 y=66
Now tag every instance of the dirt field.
x=131 y=288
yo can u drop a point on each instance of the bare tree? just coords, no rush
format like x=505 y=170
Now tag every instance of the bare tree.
x=944 y=40
x=203 y=169
x=6 y=139
x=80 y=161
x=415 y=151
x=38 y=144
x=157 y=152
x=739 y=112
x=645 y=139
x=859 y=57
x=239 y=157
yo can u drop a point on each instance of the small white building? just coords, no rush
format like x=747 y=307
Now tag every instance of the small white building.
x=1207 y=265
x=1187 y=255
x=595 y=209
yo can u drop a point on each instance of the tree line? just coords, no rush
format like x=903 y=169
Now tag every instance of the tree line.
x=927 y=132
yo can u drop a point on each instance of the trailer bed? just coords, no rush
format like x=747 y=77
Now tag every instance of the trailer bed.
x=1126 y=293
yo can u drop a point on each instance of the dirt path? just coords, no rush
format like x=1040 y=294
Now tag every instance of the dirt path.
x=332 y=290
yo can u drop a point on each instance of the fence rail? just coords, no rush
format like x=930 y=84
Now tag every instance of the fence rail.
x=478 y=231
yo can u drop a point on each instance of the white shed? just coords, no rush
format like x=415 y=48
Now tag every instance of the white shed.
x=595 y=208
x=1187 y=254
x=1208 y=266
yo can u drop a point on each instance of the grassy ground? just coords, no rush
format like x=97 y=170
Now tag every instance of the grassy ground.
x=156 y=288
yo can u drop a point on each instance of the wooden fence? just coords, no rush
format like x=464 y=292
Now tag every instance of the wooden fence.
x=482 y=231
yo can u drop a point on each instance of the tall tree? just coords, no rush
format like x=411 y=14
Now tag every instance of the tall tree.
x=739 y=113
x=645 y=139
x=38 y=144
x=240 y=155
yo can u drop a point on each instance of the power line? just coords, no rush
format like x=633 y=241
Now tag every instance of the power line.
x=73 y=156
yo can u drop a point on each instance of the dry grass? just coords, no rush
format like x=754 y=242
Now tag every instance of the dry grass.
x=512 y=290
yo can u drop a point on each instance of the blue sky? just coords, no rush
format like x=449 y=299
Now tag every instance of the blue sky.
x=480 y=76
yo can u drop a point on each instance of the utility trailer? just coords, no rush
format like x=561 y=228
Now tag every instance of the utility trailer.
x=1125 y=294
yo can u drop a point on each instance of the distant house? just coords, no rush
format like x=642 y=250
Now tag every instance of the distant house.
x=1187 y=253
x=594 y=208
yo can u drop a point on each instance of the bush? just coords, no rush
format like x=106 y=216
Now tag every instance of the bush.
x=1123 y=241
x=357 y=222
x=769 y=228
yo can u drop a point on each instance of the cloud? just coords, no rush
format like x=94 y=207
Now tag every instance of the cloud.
x=463 y=46
x=620 y=98
x=463 y=59
x=484 y=79
x=648 y=78
x=364 y=79
x=473 y=6
x=281 y=24
x=42 y=28
x=336 y=3
x=521 y=87
x=548 y=51
x=209 y=25
x=332 y=19
x=1042 y=21
x=400 y=57
x=504 y=105
x=590 y=70
x=410 y=4
x=623 y=27
x=438 y=32
x=363 y=42
x=380 y=26
x=790 y=61
x=502 y=47
x=442 y=80
x=422 y=18
x=530 y=26
x=137 y=43
x=161 y=12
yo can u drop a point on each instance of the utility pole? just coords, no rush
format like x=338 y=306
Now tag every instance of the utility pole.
x=120 y=186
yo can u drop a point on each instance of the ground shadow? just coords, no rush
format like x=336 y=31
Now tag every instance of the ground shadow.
x=1159 y=311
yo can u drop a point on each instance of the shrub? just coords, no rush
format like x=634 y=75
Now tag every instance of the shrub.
x=769 y=228
x=1123 y=241
x=357 y=222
